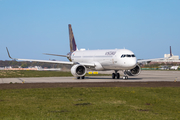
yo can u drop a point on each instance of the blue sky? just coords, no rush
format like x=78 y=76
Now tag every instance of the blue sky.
x=32 y=27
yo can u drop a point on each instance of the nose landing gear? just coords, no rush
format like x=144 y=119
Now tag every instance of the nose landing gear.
x=81 y=77
x=125 y=77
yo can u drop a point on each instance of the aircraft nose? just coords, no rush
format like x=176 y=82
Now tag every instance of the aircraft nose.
x=131 y=63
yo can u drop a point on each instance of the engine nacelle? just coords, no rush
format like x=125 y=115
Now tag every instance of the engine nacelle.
x=78 y=70
x=134 y=71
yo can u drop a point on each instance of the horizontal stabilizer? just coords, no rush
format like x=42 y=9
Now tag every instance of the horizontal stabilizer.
x=56 y=55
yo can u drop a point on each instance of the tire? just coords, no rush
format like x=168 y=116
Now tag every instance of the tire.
x=118 y=75
x=113 y=76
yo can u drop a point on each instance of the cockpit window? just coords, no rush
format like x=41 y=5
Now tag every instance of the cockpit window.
x=133 y=56
x=127 y=55
x=122 y=56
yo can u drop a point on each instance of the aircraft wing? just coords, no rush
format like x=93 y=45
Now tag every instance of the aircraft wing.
x=149 y=60
x=49 y=61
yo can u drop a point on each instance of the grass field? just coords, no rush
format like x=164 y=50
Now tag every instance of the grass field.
x=32 y=73
x=117 y=103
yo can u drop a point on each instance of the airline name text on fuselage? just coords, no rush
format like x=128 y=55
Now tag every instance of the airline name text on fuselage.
x=110 y=53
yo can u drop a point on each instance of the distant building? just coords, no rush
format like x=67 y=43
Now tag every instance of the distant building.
x=172 y=58
x=1 y=68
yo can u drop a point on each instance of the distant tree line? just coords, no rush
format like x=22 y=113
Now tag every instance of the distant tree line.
x=25 y=64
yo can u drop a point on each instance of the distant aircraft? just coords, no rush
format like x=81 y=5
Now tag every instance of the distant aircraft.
x=174 y=67
x=100 y=60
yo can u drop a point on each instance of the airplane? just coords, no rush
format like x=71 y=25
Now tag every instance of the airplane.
x=100 y=60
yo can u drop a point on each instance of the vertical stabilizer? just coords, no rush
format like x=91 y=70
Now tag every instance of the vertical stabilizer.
x=170 y=52
x=72 y=41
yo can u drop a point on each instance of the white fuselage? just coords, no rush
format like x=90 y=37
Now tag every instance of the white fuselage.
x=112 y=59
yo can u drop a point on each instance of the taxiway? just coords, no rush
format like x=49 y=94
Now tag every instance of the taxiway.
x=145 y=76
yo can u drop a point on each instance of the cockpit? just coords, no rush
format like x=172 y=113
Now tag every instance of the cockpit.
x=127 y=55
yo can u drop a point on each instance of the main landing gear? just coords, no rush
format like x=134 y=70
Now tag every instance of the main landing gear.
x=81 y=77
x=115 y=75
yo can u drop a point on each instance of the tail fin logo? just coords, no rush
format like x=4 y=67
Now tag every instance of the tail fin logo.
x=72 y=41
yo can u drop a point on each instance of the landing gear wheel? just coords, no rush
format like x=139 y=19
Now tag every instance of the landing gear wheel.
x=78 y=77
x=125 y=77
x=118 y=75
x=82 y=77
x=113 y=75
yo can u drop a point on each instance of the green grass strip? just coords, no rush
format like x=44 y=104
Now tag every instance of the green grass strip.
x=133 y=103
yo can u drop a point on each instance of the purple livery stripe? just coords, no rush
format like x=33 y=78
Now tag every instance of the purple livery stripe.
x=72 y=40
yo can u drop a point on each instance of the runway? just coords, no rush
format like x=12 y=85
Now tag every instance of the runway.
x=145 y=76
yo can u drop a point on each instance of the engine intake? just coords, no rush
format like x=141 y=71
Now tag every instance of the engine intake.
x=78 y=70
x=133 y=72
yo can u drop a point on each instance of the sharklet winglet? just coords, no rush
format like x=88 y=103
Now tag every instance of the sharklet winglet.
x=9 y=54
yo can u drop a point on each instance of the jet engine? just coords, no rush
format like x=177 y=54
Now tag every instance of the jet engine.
x=134 y=71
x=78 y=70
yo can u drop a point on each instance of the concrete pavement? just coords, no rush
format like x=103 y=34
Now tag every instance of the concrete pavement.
x=145 y=76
